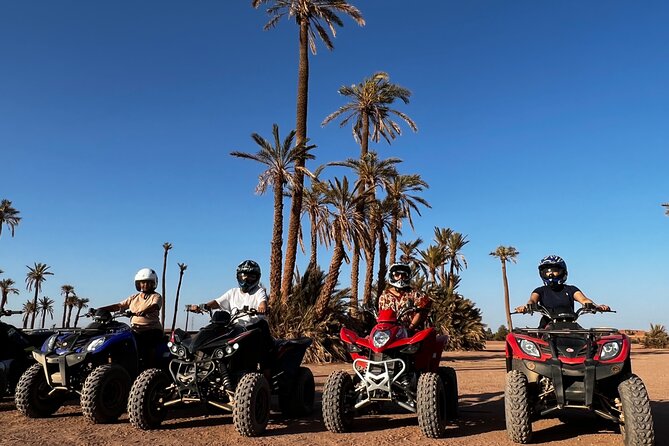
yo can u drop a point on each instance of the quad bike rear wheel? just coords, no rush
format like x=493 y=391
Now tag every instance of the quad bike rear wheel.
x=517 y=407
x=298 y=398
x=432 y=405
x=252 y=399
x=450 y=379
x=145 y=403
x=338 y=402
x=104 y=395
x=32 y=394
x=637 y=427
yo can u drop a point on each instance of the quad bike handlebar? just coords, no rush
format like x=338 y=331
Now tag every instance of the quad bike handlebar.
x=10 y=312
x=560 y=313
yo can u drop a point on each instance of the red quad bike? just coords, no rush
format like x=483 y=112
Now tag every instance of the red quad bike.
x=392 y=366
x=567 y=367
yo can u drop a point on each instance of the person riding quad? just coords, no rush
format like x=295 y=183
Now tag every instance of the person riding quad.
x=556 y=293
x=400 y=293
x=145 y=306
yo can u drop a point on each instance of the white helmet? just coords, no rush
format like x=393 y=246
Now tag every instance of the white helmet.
x=146 y=274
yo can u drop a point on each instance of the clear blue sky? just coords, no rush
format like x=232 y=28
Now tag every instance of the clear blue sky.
x=542 y=125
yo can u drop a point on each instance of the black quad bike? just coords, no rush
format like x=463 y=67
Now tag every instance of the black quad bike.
x=16 y=348
x=565 y=367
x=97 y=364
x=221 y=366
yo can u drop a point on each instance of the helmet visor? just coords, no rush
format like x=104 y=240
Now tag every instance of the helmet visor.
x=247 y=277
x=400 y=275
x=551 y=271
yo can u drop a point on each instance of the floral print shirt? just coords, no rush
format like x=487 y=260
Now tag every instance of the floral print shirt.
x=395 y=299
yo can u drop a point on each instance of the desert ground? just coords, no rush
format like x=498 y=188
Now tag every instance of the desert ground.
x=481 y=382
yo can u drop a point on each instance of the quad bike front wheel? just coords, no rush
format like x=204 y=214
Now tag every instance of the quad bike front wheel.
x=517 y=407
x=32 y=394
x=298 y=398
x=431 y=405
x=338 y=402
x=145 y=402
x=637 y=421
x=251 y=410
x=450 y=380
x=104 y=395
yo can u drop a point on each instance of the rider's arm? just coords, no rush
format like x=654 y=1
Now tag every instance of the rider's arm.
x=112 y=307
x=534 y=299
x=583 y=299
x=417 y=319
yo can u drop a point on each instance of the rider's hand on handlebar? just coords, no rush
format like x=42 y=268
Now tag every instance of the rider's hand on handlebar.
x=603 y=307
x=521 y=309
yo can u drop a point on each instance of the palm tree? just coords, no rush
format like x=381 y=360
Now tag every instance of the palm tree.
x=310 y=16
x=399 y=192
x=432 y=259
x=34 y=279
x=282 y=160
x=666 y=208
x=45 y=305
x=313 y=206
x=372 y=173
x=370 y=107
x=457 y=261
x=410 y=252
x=29 y=308
x=182 y=268
x=347 y=225
x=166 y=247
x=6 y=288
x=441 y=238
x=505 y=253
x=8 y=216
x=82 y=302
x=70 y=303
x=66 y=290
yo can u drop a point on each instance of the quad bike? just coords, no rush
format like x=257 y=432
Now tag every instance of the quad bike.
x=97 y=363
x=221 y=366
x=565 y=367
x=15 y=354
x=392 y=366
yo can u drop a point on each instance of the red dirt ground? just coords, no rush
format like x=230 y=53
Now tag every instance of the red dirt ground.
x=481 y=422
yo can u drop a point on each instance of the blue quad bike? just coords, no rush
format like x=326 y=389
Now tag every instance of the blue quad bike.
x=220 y=367
x=16 y=352
x=97 y=363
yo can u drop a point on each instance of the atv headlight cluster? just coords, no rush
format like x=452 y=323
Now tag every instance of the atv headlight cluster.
x=95 y=343
x=530 y=348
x=381 y=338
x=177 y=350
x=609 y=350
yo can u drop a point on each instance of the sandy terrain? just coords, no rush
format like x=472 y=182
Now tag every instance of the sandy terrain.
x=481 y=381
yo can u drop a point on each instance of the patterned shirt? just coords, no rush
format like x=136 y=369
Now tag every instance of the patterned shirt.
x=394 y=299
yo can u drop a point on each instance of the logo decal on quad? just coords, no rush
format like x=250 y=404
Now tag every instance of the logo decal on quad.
x=570 y=350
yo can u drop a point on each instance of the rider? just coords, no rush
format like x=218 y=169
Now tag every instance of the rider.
x=145 y=307
x=556 y=293
x=400 y=293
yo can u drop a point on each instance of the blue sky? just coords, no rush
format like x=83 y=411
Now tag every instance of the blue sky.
x=542 y=125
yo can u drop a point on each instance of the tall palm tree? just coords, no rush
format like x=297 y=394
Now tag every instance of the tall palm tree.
x=66 y=291
x=347 y=225
x=400 y=193
x=432 y=258
x=8 y=216
x=410 y=252
x=182 y=268
x=82 y=302
x=282 y=161
x=441 y=238
x=6 y=288
x=312 y=17
x=504 y=254
x=166 y=247
x=370 y=110
x=34 y=279
x=71 y=303
x=28 y=309
x=372 y=173
x=455 y=258
x=45 y=306
x=318 y=214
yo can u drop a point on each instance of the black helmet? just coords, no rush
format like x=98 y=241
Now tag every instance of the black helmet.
x=552 y=263
x=248 y=275
x=399 y=275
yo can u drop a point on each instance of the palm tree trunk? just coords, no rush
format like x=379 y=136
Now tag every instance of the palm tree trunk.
x=76 y=318
x=162 y=309
x=393 y=238
x=364 y=134
x=506 y=296
x=69 y=315
x=25 y=320
x=383 y=266
x=331 y=281
x=43 y=318
x=65 y=308
x=313 y=260
x=32 y=319
x=300 y=138
x=275 y=256
x=176 y=302
x=355 y=271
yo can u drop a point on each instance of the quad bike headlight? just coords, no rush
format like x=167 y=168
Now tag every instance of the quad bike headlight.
x=381 y=338
x=51 y=342
x=95 y=343
x=609 y=350
x=352 y=348
x=530 y=348
x=411 y=349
